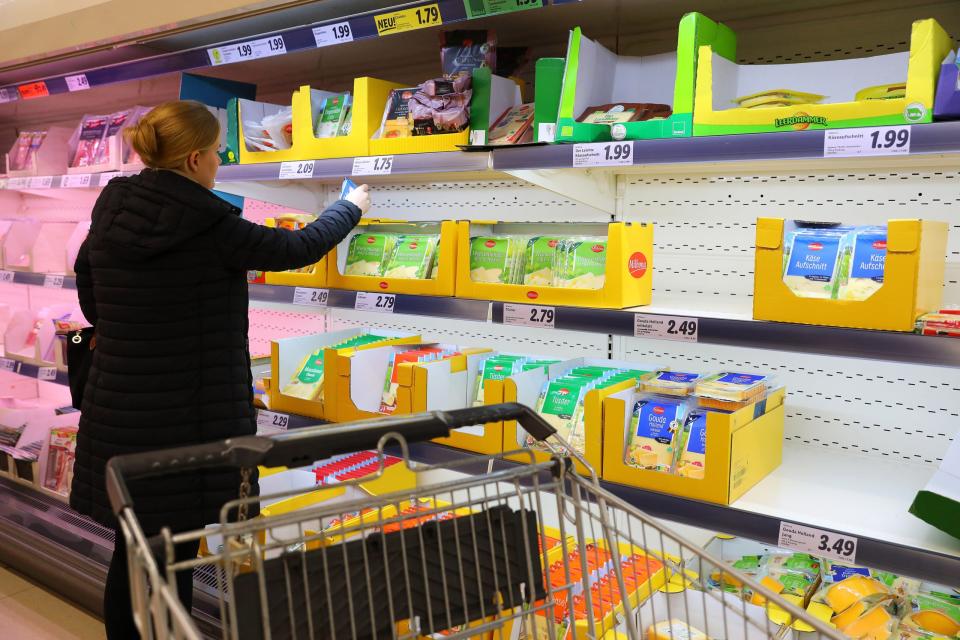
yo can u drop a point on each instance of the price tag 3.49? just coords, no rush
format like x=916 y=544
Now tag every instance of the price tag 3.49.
x=828 y=544
x=528 y=315
x=651 y=325
x=330 y=34
x=380 y=302
x=867 y=141
x=272 y=420
x=308 y=297
x=372 y=166
x=602 y=154
x=296 y=170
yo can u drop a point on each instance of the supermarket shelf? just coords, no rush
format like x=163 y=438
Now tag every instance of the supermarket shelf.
x=362 y=26
x=839 y=492
x=50 y=280
x=44 y=373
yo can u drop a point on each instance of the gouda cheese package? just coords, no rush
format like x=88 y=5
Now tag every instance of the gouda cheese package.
x=653 y=433
x=693 y=447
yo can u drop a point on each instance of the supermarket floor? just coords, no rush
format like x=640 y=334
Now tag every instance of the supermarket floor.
x=30 y=612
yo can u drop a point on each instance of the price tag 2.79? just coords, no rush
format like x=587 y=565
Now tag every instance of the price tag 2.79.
x=309 y=297
x=330 y=34
x=372 y=166
x=527 y=315
x=296 y=170
x=381 y=302
x=272 y=420
x=651 y=325
x=828 y=544
x=602 y=154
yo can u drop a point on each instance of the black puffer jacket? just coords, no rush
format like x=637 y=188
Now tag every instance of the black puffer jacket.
x=162 y=277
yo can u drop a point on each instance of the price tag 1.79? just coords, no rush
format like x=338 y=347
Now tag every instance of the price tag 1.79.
x=866 y=141
x=272 y=420
x=828 y=544
x=372 y=166
x=381 y=302
x=602 y=154
x=330 y=34
x=309 y=297
x=296 y=170
x=528 y=315
x=651 y=325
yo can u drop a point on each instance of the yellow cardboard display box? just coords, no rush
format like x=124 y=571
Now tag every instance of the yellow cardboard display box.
x=627 y=281
x=741 y=448
x=287 y=359
x=443 y=280
x=912 y=280
x=314 y=276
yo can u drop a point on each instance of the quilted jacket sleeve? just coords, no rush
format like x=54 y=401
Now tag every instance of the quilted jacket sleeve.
x=85 y=284
x=247 y=245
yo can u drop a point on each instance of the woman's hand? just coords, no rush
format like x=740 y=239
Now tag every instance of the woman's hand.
x=360 y=197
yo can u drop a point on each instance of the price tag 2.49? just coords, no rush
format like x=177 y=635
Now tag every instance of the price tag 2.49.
x=527 y=315
x=651 y=325
x=828 y=544
x=381 y=302
x=372 y=166
x=602 y=154
x=309 y=297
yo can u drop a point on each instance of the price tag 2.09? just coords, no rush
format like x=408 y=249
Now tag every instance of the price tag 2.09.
x=828 y=544
x=296 y=170
x=527 y=315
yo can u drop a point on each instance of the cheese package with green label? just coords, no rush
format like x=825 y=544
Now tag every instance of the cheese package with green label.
x=335 y=110
x=582 y=263
x=307 y=383
x=540 y=260
x=368 y=253
x=496 y=368
x=412 y=257
x=560 y=403
x=495 y=258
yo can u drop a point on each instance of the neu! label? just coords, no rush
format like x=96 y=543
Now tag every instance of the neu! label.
x=637 y=265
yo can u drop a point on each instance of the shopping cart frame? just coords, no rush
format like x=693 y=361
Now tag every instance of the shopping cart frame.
x=580 y=500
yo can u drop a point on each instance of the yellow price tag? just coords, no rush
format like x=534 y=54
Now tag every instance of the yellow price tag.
x=408 y=19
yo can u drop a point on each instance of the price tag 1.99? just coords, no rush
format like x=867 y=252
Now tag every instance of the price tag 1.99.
x=866 y=141
x=296 y=170
x=828 y=544
x=330 y=34
x=602 y=154
x=372 y=166
x=249 y=50
x=528 y=315
x=380 y=302
x=650 y=325
x=272 y=420
x=308 y=297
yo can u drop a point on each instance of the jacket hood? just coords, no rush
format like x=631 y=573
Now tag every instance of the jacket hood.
x=148 y=214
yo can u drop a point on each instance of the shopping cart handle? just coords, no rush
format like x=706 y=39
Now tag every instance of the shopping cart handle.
x=301 y=447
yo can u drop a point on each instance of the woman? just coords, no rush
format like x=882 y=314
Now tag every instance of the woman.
x=162 y=277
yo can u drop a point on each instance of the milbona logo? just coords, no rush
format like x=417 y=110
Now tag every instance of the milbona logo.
x=657 y=409
x=676 y=376
x=800 y=121
x=815 y=246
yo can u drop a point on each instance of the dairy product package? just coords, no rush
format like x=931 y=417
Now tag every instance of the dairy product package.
x=674 y=629
x=673 y=383
x=307 y=383
x=582 y=263
x=692 y=446
x=730 y=390
x=91 y=139
x=495 y=259
x=367 y=253
x=651 y=440
x=412 y=257
x=559 y=403
x=539 y=260
x=863 y=275
x=496 y=367
x=388 y=400
x=332 y=115
x=814 y=260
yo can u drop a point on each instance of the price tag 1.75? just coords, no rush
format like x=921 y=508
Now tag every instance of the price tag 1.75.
x=602 y=154
x=272 y=420
x=381 y=302
x=828 y=544
x=309 y=297
x=296 y=170
x=372 y=166
x=651 y=325
x=528 y=315
x=330 y=34
x=866 y=141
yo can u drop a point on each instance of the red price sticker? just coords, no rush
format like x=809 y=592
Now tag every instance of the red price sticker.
x=33 y=90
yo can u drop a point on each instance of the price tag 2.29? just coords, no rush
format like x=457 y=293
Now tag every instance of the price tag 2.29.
x=309 y=297
x=651 y=325
x=272 y=420
x=296 y=170
x=828 y=544
x=867 y=141
x=528 y=315
x=381 y=302
x=602 y=154
x=330 y=34
x=372 y=166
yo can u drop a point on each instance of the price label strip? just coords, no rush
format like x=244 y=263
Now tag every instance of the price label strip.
x=41 y=182
x=866 y=141
x=53 y=281
x=602 y=154
x=408 y=19
x=249 y=50
x=47 y=373
x=678 y=328
x=296 y=170
x=6 y=364
x=78 y=82
x=6 y=276
x=272 y=419
x=105 y=178
x=308 y=297
x=330 y=34
x=828 y=544
x=528 y=315
x=76 y=181
x=372 y=166
x=18 y=183
x=480 y=8
x=379 y=302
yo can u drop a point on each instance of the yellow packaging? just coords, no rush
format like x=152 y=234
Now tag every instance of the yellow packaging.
x=312 y=276
x=912 y=285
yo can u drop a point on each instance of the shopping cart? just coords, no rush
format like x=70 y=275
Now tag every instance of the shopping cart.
x=516 y=551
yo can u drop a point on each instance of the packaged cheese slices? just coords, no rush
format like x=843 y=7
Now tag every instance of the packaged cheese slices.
x=368 y=252
x=388 y=400
x=672 y=383
x=575 y=262
x=393 y=255
x=495 y=258
x=845 y=263
x=865 y=274
x=730 y=390
x=776 y=98
x=674 y=629
x=307 y=383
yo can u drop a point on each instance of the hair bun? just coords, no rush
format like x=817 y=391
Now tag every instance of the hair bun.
x=143 y=138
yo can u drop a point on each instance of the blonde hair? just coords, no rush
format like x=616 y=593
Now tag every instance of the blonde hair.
x=170 y=132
